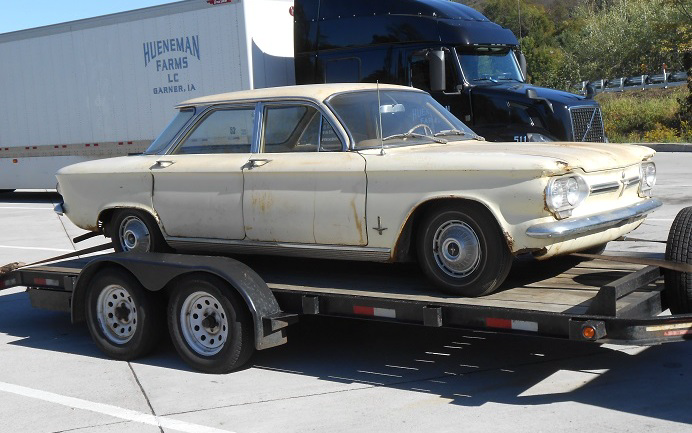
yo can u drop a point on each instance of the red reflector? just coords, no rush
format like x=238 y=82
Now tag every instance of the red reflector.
x=498 y=323
x=15 y=161
x=129 y=142
x=96 y=144
x=40 y=281
x=87 y=145
x=363 y=311
x=120 y=143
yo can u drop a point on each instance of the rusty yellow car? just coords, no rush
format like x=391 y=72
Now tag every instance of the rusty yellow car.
x=359 y=172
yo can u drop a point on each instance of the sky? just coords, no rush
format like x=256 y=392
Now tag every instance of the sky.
x=25 y=14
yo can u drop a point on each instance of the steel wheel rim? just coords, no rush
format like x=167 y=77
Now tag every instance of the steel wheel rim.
x=456 y=249
x=134 y=235
x=117 y=314
x=204 y=323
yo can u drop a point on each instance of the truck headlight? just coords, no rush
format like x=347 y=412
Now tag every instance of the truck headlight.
x=565 y=193
x=647 y=178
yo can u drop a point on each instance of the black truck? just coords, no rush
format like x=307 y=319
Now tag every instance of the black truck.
x=469 y=64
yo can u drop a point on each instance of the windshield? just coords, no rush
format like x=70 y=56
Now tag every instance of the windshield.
x=489 y=64
x=169 y=132
x=408 y=118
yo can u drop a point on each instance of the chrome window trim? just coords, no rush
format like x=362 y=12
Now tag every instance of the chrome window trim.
x=351 y=141
x=294 y=101
x=199 y=118
x=183 y=129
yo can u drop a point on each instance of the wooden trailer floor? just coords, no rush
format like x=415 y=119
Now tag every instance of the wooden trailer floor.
x=560 y=285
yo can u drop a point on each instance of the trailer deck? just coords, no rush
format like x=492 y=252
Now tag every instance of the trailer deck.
x=617 y=302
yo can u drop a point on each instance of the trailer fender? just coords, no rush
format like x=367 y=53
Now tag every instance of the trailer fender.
x=156 y=270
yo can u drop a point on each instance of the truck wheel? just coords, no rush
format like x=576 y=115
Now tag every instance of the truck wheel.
x=121 y=317
x=210 y=326
x=678 y=285
x=462 y=251
x=134 y=230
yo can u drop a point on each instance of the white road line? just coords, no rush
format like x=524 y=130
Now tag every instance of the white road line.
x=60 y=250
x=107 y=409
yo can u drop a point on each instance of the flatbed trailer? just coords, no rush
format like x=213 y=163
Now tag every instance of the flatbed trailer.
x=575 y=299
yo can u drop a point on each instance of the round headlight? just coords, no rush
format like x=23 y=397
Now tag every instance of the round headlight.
x=556 y=195
x=649 y=174
x=573 y=193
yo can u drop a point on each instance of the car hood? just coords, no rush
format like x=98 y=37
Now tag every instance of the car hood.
x=590 y=157
x=518 y=92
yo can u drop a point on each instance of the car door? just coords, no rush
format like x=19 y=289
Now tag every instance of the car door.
x=302 y=186
x=198 y=187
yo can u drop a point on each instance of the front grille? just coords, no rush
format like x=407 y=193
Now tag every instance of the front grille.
x=587 y=124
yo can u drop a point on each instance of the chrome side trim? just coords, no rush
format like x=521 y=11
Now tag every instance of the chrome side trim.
x=605 y=187
x=593 y=223
x=335 y=252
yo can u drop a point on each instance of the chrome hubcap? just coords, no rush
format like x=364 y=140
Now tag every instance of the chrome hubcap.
x=134 y=235
x=117 y=314
x=204 y=323
x=456 y=249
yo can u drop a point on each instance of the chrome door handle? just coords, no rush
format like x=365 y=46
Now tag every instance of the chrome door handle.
x=258 y=162
x=162 y=164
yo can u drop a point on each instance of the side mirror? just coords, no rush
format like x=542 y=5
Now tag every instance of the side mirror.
x=522 y=64
x=532 y=94
x=436 y=60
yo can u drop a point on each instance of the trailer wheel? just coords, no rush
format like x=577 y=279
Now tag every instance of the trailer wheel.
x=209 y=325
x=462 y=251
x=121 y=317
x=134 y=230
x=678 y=285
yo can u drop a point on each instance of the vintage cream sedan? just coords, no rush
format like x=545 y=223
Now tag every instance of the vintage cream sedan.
x=357 y=172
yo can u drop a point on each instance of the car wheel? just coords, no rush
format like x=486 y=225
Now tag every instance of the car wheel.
x=678 y=285
x=210 y=325
x=462 y=250
x=122 y=319
x=134 y=230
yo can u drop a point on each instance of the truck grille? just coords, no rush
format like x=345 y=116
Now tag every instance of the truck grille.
x=587 y=124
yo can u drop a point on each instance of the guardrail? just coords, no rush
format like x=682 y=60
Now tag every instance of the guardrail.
x=636 y=82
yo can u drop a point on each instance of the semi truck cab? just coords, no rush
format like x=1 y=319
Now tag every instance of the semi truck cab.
x=469 y=64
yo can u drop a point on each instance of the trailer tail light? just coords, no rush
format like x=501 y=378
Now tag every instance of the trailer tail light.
x=588 y=332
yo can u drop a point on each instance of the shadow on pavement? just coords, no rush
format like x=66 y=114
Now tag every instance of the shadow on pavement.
x=465 y=367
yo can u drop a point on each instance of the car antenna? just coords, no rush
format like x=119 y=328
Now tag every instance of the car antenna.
x=379 y=112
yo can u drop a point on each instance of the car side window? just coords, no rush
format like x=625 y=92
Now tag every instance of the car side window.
x=297 y=128
x=222 y=131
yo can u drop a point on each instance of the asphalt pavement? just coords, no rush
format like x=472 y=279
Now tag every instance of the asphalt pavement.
x=336 y=375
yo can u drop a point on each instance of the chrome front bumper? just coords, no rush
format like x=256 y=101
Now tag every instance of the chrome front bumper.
x=593 y=223
x=59 y=209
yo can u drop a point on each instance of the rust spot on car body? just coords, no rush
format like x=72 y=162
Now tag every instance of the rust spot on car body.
x=510 y=240
x=359 y=223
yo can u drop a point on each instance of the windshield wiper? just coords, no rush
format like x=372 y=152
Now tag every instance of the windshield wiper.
x=485 y=79
x=458 y=132
x=406 y=135
x=450 y=132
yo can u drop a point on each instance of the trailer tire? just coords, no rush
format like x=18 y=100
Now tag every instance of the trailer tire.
x=678 y=285
x=462 y=250
x=135 y=230
x=122 y=319
x=210 y=325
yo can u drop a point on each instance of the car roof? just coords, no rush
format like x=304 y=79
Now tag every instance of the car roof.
x=318 y=92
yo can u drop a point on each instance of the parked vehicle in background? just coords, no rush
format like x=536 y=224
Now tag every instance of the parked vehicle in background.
x=158 y=56
x=359 y=172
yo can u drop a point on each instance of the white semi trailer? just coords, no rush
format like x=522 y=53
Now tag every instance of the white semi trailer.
x=106 y=86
